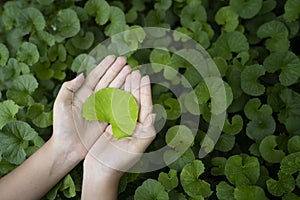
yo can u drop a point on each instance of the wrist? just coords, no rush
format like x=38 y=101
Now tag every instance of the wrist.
x=99 y=170
x=65 y=154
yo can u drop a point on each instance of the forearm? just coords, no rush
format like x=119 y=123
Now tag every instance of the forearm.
x=99 y=182
x=39 y=173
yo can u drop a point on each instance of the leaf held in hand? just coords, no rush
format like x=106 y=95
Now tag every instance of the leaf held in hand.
x=114 y=106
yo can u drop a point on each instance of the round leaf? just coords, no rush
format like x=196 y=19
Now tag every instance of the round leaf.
x=291 y=10
x=249 y=82
x=294 y=144
x=8 y=111
x=285 y=184
x=246 y=8
x=179 y=137
x=151 y=189
x=249 y=192
x=28 y=53
x=114 y=106
x=268 y=151
x=287 y=62
x=291 y=163
x=242 y=170
x=190 y=182
x=67 y=24
x=30 y=19
x=227 y=17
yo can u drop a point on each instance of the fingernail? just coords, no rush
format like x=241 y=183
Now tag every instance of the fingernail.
x=82 y=72
x=112 y=56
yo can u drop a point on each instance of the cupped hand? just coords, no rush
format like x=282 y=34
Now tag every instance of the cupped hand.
x=70 y=131
x=115 y=156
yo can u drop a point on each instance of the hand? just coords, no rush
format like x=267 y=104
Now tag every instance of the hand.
x=110 y=156
x=70 y=131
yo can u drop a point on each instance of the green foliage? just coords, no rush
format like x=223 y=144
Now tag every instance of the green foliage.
x=254 y=44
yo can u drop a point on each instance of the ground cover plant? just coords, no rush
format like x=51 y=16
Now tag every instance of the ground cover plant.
x=255 y=45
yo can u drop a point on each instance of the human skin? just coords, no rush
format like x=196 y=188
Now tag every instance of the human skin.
x=109 y=157
x=72 y=138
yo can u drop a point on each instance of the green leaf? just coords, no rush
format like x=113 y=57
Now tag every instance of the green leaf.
x=66 y=185
x=21 y=89
x=294 y=144
x=291 y=10
x=177 y=160
x=290 y=196
x=4 y=54
x=235 y=126
x=163 y=5
x=242 y=170
x=26 y=83
x=98 y=8
x=219 y=166
x=30 y=19
x=14 y=139
x=193 y=15
x=28 y=53
x=261 y=127
x=245 y=8
x=179 y=137
x=134 y=36
x=57 y=52
x=11 y=10
x=268 y=151
x=249 y=80
x=228 y=18
x=225 y=142
x=83 y=41
x=173 y=108
x=230 y=42
x=39 y=117
x=291 y=100
x=254 y=109
x=287 y=62
x=237 y=42
x=285 y=184
x=83 y=62
x=193 y=186
x=8 y=111
x=151 y=189
x=291 y=163
x=170 y=180
x=278 y=34
x=225 y=191
x=66 y=25
x=249 y=192
x=117 y=22
x=215 y=89
x=114 y=106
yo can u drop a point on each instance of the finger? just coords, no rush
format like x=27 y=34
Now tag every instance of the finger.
x=111 y=73
x=120 y=79
x=127 y=84
x=146 y=99
x=68 y=89
x=135 y=85
x=94 y=76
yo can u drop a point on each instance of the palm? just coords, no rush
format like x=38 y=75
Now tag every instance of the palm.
x=122 y=154
x=69 y=125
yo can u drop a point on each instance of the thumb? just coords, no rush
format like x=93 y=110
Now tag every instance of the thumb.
x=67 y=90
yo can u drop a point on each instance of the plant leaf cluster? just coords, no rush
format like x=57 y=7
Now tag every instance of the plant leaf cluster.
x=254 y=45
